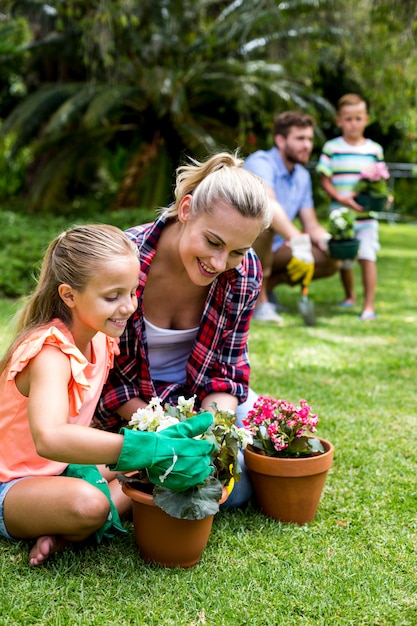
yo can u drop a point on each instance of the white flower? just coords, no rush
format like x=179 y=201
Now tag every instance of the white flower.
x=186 y=406
x=158 y=409
x=142 y=419
x=340 y=222
x=245 y=437
x=149 y=417
x=167 y=421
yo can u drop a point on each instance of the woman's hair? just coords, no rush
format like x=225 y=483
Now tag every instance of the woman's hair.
x=74 y=257
x=221 y=178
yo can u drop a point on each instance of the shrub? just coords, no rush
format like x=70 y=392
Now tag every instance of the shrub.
x=25 y=237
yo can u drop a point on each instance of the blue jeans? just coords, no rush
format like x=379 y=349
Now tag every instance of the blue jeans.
x=242 y=491
x=4 y=489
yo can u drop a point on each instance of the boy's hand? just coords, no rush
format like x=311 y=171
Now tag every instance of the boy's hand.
x=350 y=203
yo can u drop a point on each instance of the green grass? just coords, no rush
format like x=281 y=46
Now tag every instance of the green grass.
x=355 y=564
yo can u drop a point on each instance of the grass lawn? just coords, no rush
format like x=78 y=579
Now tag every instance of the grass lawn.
x=355 y=564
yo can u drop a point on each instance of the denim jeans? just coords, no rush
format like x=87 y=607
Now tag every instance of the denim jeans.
x=242 y=491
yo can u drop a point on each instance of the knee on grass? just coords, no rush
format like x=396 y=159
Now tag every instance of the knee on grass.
x=90 y=508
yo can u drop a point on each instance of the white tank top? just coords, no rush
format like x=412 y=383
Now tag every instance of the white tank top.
x=169 y=351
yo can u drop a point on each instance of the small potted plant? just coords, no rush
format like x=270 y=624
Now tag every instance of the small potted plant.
x=172 y=528
x=288 y=466
x=342 y=244
x=372 y=188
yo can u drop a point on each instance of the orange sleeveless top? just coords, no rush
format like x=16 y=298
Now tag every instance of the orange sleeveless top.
x=18 y=456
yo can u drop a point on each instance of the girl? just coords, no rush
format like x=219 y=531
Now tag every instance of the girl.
x=199 y=283
x=51 y=379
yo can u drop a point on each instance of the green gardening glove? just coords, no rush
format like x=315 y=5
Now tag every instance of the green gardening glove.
x=171 y=457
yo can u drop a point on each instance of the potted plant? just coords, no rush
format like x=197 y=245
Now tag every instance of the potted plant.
x=288 y=466
x=172 y=528
x=342 y=244
x=372 y=189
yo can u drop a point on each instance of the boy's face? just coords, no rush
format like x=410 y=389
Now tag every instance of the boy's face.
x=352 y=120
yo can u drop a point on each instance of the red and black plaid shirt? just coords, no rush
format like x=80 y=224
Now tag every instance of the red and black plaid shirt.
x=219 y=360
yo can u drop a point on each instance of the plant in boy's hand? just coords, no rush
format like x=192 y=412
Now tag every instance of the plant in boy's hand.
x=341 y=223
x=373 y=181
x=279 y=428
x=203 y=500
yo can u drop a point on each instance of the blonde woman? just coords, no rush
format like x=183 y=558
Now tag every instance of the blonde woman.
x=199 y=283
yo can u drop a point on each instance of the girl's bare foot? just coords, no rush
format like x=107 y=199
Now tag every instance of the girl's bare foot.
x=44 y=547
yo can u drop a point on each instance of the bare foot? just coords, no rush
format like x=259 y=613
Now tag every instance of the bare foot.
x=44 y=547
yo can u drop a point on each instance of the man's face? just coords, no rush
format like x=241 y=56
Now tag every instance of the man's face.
x=297 y=146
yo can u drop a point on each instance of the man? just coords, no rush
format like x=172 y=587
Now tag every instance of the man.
x=288 y=255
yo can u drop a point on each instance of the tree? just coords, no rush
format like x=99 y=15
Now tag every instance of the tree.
x=159 y=79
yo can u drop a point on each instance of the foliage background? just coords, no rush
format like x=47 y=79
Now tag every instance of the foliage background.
x=105 y=99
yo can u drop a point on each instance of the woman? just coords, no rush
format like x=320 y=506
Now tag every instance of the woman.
x=197 y=290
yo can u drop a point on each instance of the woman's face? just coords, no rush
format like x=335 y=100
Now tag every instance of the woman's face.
x=212 y=243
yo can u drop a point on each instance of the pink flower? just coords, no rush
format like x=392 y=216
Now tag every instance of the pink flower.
x=375 y=172
x=276 y=423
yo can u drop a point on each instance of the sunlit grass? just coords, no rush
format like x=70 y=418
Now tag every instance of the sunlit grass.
x=355 y=564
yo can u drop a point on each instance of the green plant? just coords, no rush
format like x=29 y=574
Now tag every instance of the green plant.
x=341 y=223
x=279 y=428
x=203 y=500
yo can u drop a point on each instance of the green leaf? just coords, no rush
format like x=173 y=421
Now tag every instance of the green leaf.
x=316 y=447
x=194 y=503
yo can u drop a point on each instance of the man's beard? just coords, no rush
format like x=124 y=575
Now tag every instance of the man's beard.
x=293 y=158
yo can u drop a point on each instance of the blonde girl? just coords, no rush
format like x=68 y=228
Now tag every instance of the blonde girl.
x=50 y=382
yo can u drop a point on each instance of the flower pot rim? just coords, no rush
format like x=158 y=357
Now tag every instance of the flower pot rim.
x=147 y=498
x=281 y=466
x=337 y=240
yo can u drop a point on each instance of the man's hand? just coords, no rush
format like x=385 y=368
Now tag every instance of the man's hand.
x=301 y=265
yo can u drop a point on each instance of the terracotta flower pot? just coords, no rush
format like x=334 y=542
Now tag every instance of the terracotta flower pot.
x=289 y=490
x=343 y=248
x=167 y=540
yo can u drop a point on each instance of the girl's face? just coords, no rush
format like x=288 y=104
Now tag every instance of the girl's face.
x=108 y=300
x=212 y=243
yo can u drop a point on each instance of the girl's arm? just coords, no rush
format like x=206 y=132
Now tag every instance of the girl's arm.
x=48 y=377
x=55 y=438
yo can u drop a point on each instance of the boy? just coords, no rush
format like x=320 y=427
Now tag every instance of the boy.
x=340 y=164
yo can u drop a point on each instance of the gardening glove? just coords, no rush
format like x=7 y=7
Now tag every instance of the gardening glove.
x=172 y=458
x=301 y=265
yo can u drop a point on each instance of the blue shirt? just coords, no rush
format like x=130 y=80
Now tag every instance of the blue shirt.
x=293 y=190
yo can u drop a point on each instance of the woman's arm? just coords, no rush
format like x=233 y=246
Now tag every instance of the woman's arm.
x=224 y=401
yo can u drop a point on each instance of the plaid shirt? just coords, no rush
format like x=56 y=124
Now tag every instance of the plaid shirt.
x=219 y=359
